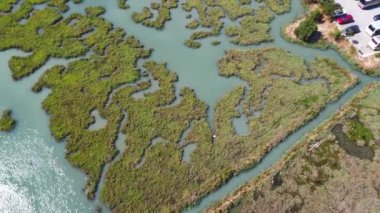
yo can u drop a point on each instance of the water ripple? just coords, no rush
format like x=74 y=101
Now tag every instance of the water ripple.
x=31 y=178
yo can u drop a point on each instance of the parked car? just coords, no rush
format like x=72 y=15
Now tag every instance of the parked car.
x=376 y=17
x=367 y=4
x=373 y=29
x=338 y=6
x=375 y=43
x=351 y=30
x=338 y=13
x=345 y=19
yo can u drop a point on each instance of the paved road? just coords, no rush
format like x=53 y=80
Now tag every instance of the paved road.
x=362 y=18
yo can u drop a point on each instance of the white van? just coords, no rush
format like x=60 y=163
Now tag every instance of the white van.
x=375 y=43
x=374 y=28
x=367 y=4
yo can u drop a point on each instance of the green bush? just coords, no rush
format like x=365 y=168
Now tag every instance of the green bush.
x=306 y=29
x=7 y=123
x=123 y=4
x=328 y=6
x=358 y=131
x=315 y=15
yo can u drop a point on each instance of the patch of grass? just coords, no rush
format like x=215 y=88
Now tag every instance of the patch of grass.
x=192 y=24
x=336 y=34
x=123 y=4
x=277 y=6
x=192 y=44
x=211 y=163
x=146 y=16
x=60 y=4
x=307 y=175
x=215 y=43
x=252 y=29
x=357 y=131
x=140 y=17
x=59 y=39
x=6 y=5
x=338 y=80
x=7 y=123
x=308 y=101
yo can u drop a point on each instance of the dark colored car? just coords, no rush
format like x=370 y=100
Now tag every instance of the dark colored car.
x=338 y=13
x=351 y=30
x=376 y=17
x=337 y=6
x=345 y=19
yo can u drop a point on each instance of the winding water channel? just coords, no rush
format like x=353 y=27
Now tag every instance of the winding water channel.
x=30 y=154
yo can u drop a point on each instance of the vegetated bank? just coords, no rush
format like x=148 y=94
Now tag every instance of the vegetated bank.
x=283 y=92
x=147 y=18
x=333 y=169
x=213 y=16
x=7 y=123
x=318 y=30
x=282 y=95
x=123 y=4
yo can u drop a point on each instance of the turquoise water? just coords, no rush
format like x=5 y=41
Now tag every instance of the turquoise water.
x=35 y=177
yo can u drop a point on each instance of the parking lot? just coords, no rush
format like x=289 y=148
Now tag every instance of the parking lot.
x=362 y=18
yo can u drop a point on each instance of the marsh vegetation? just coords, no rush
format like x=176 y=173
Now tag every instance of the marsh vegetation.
x=147 y=18
x=7 y=123
x=285 y=89
x=245 y=26
x=177 y=184
x=334 y=156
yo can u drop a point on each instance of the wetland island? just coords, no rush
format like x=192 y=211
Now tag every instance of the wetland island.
x=186 y=106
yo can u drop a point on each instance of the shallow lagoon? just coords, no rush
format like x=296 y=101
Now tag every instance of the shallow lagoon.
x=30 y=154
x=34 y=174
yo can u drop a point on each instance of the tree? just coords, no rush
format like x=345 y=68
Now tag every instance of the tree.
x=328 y=6
x=306 y=29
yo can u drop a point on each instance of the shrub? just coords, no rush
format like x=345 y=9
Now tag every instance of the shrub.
x=315 y=15
x=328 y=6
x=359 y=131
x=123 y=4
x=192 y=43
x=7 y=123
x=215 y=43
x=336 y=34
x=306 y=29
